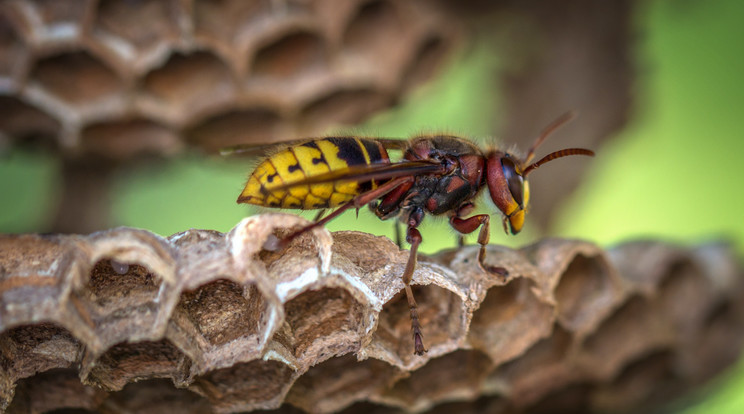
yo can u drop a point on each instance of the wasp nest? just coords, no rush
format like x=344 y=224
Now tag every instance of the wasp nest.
x=117 y=79
x=124 y=320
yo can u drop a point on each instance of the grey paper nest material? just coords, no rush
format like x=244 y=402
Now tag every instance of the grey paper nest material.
x=126 y=321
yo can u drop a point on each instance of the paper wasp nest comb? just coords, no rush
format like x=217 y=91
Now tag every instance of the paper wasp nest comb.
x=116 y=79
x=127 y=321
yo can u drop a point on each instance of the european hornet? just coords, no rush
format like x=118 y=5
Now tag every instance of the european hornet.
x=439 y=174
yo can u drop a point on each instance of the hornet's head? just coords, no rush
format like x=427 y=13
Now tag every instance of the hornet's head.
x=506 y=176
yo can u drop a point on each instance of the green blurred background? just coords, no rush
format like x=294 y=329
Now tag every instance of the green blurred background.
x=673 y=173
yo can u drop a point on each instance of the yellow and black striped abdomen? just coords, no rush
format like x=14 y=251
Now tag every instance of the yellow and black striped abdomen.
x=312 y=158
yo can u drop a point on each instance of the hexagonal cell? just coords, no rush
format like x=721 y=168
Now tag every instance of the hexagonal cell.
x=426 y=62
x=339 y=382
x=127 y=139
x=584 y=292
x=35 y=277
x=509 y=320
x=188 y=86
x=323 y=323
x=575 y=398
x=684 y=296
x=377 y=29
x=156 y=396
x=539 y=371
x=256 y=126
x=132 y=362
x=718 y=342
x=225 y=21
x=343 y=107
x=635 y=328
x=640 y=387
x=57 y=389
x=441 y=314
x=129 y=290
x=367 y=252
x=466 y=369
x=13 y=54
x=290 y=57
x=30 y=349
x=223 y=311
x=139 y=26
x=77 y=78
x=260 y=384
x=120 y=301
x=27 y=124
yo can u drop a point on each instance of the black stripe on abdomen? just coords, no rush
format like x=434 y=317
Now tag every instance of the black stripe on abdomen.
x=348 y=150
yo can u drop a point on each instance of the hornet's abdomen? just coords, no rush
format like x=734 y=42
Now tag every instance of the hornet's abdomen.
x=308 y=159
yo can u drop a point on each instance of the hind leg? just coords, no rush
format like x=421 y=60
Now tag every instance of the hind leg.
x=413 y=236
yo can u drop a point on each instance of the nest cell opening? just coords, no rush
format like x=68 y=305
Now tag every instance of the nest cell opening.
x=574 y=398
x=649 y=377
x=376 y=29
x=428 y=59
x=131 y=362
x=684 y=294
x=583 y=292
x=54 y=391
x=539 y=360
x=290 y=57
x=141 y=23
x=257 y=126
x=718 y=343
x=223 y=311
x=466 y=370
x=119 y=300
x=323 y=323
x=441 y=315
x=191 y=83
x=127 y=139
x=342 y=107
x=77 y=78
x=224 y=20
x=509 y=320
x=29 y=349
x=26 y=124
x=633 y=329
x=156 y=395
x=251 y=384
x=115 y=285
x=339 y=382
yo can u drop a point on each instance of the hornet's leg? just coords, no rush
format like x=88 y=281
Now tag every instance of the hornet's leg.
x=398 y=236
x=413 y=236
x=320 y=214
x=274 y=244
x=463 y=210
x=468 y=225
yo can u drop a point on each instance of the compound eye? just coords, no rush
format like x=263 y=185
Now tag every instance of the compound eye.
x=514 y=180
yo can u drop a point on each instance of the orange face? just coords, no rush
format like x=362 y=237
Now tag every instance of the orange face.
x=508 y=188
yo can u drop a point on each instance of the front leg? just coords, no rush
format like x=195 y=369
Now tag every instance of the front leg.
x=468 y=225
